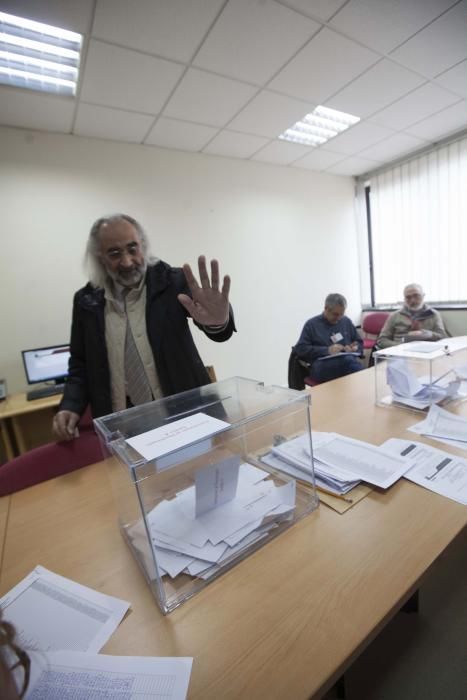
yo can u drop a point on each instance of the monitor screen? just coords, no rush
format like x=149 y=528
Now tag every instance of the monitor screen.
x=45 y=364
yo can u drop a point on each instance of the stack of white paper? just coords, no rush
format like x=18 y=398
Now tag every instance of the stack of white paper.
x=199 y=544
x=294 y=458
x=341 y=462
x=443 y=426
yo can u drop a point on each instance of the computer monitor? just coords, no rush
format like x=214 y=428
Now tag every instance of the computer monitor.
x=46 y=364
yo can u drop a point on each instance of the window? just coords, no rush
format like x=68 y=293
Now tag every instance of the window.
x=418 y=217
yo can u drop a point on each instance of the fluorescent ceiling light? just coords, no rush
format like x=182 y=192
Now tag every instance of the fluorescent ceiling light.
x=38 y=56
x=319 y=126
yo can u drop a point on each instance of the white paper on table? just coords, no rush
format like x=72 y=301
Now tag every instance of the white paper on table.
x=372 y=464
x=438 y=471
x=51 y=612
x=180 y=433
x=297 y=453
x=64 y=674
x=444 y=424
x=216 y=484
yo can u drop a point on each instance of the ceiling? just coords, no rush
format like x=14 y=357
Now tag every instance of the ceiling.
x=226 y=77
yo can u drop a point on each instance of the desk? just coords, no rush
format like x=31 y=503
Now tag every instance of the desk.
x=287 y=621
x=31 y=421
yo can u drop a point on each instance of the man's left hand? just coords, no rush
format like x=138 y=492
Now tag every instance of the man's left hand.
x=209 y=306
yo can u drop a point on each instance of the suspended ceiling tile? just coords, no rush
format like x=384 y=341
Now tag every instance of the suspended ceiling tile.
x=252 y=39
x=393 y=147
x=28 y=109
x=116 y=77
x=378 y=87
x=184 y=136
x=383 y=25
x=358 y=137
x=281 y=152
x=317 y=9
x=417 y=105
x=207 y=98
x=318 y=159
x=172 y=29
x=231 y=143
x=438 y=47
x=455 y=79
x=113 y=124
x=269 y=114
x=448 y=121
x=323 y=67
x=353 y=166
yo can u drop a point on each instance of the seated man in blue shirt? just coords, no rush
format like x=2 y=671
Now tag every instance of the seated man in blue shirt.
x=326 y=339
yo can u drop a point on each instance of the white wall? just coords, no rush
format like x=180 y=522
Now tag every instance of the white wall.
x=285 y=235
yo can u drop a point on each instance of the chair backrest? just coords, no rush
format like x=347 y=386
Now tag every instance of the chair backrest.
x=48 y=461
x=372 y=323
x=296 y=372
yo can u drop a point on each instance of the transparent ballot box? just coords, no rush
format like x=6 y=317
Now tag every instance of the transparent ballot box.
x=198 y=486
x=418 y=374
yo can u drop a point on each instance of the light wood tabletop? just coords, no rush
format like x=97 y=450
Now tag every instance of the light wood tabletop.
x=31 y=421
x=288 y=620
x=18 y=405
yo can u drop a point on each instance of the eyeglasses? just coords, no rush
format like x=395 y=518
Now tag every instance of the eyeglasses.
x=23 y=662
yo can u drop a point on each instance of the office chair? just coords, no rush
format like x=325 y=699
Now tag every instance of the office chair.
x=372 y=324
x=48 y=461
x=298 y=375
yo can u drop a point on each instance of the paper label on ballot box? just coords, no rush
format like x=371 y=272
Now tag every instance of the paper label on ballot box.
x=180 y=433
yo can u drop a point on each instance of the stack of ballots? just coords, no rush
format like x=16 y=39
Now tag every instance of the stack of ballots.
x=198 y=531
x=339 y=462
x=294 y=457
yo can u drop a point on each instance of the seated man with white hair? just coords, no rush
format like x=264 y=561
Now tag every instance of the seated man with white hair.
x=414 y=321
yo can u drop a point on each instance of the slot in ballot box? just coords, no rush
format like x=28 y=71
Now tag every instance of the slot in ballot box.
x=419 y=374
x=193 y=493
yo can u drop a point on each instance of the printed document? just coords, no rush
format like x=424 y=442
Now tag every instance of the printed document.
x=433 y=469
x=180 y=433
x=51 y=613
x=64 y=674
x=362 y=460
x=444 y=426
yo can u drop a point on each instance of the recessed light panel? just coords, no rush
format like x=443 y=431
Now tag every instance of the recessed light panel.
x=319 y=126
x=38 y=56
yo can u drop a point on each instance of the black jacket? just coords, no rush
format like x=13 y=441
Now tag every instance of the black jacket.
x=178 y=364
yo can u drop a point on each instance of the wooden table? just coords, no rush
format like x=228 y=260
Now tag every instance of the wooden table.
x=287 y=621
x=30 y=421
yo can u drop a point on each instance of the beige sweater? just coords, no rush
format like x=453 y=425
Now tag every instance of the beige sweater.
x=400 y=323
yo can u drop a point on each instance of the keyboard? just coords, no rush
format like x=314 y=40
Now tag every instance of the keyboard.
x=45 y=391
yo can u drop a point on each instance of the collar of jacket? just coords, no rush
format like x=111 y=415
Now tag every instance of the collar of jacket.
x=157 y=279
x=424 y=312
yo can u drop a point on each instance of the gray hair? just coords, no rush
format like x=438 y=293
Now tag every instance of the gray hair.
x=414 y=286
x=333 y=300
x=96 y=270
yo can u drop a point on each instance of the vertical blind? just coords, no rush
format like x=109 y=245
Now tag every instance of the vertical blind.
x=419 y=226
